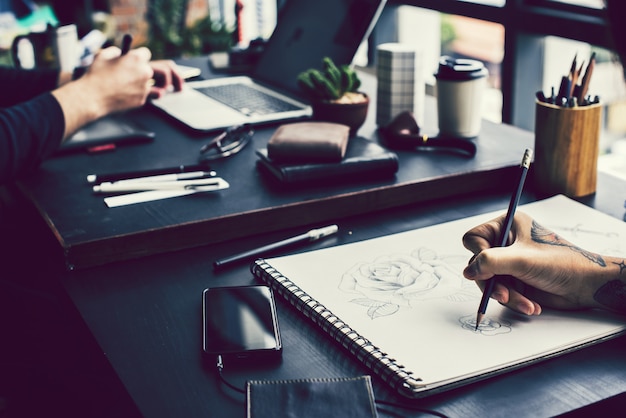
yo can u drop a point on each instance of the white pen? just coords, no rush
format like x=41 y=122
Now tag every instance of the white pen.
x=100 y=178
x=312 y=235
x=200 y=185
x=168 y=177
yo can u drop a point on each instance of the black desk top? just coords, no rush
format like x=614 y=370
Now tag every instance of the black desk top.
x=92 y=234
x=146 y=315
x=146 y=312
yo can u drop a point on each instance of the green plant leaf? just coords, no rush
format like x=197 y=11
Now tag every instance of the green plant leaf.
x=330 y=83
x=332 y=72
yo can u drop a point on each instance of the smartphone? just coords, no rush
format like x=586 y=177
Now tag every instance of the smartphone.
x=240 y=323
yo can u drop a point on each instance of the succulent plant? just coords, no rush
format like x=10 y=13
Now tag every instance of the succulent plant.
x=332 y=83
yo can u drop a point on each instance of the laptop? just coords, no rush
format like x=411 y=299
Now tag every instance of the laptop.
x=306 y=32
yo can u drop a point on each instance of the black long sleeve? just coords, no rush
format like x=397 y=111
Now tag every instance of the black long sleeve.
x=31 y=120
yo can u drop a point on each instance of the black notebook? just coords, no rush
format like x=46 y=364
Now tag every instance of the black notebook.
x=364 y=159
x=400 y=305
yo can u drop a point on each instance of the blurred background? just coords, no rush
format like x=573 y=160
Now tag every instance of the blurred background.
x=527 y=45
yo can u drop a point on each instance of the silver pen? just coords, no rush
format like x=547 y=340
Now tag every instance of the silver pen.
x=312 y=235
x=168 y=177
x=200 y=185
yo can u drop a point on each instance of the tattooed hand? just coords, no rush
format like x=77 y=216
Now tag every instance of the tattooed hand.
x=540 y=268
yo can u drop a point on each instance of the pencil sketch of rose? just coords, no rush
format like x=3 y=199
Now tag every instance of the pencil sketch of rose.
x=488 y=326
x=392 y=281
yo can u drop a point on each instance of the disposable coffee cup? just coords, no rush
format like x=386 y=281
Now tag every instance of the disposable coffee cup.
x=52 y=48
x=460 y=87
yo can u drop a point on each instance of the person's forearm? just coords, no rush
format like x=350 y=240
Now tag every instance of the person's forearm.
x=113 y=83
x=81 y=103
x=64 y=78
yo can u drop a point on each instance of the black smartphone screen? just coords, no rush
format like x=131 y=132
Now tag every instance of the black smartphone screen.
x=240 y=322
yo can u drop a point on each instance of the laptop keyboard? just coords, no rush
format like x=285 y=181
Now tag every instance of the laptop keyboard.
x=247 y=100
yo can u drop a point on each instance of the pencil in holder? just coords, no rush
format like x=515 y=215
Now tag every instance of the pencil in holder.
x=567 y=141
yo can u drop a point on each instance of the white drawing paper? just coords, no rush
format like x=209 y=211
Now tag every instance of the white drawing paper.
x=406 y=294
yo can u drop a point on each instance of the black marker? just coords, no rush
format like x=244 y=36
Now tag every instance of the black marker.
x=127 y=40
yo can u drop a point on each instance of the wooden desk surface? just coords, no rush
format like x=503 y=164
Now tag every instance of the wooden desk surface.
x=146 y=316
x=92 y=234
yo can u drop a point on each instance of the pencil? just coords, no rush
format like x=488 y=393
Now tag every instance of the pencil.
x=508 y=222
x=572 y=69
x=575 y=79
x=573 y=76
x=584 y=84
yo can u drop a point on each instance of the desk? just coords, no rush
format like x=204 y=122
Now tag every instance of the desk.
x=145 y=312
x=92 y=234
x=146 y=315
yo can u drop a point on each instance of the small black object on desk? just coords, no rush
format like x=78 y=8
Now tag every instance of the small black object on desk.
x=403 y=133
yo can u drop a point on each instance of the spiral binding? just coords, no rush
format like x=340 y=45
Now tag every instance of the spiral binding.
x=367 y=353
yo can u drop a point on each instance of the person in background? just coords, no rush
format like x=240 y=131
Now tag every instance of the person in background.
x=39 y=109
x=49 y=363
x=546 y=270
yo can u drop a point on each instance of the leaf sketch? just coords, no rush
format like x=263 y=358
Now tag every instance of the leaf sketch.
x=392 y=281
x=579 y=230
x=612 y=243
x=377 y=308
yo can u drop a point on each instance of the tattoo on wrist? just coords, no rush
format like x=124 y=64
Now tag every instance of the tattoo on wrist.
x=612 y=294
x=622 y=266
x=544 y=236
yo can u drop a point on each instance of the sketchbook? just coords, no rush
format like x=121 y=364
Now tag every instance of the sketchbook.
x=400 y=305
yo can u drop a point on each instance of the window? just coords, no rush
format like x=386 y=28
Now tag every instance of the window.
x=526 y=44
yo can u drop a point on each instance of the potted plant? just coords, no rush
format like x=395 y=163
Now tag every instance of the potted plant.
x=333 y=92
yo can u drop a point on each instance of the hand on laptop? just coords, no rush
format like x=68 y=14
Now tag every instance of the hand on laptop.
x=166 y=77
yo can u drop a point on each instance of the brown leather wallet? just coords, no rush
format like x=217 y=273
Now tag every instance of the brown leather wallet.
x=300 y=142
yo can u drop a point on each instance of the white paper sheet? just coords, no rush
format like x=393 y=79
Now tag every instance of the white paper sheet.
x=406 y=294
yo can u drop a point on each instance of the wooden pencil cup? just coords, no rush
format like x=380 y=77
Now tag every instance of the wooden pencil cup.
x=567 y=142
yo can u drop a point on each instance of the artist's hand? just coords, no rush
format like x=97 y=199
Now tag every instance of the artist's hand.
x=112 y=83
x=166 y=78
x=543 y=269
x=124 y=81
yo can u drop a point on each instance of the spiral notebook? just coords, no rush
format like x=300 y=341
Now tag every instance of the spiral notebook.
x=400 y=306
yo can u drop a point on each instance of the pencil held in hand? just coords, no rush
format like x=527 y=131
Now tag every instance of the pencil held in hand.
x=506 y=229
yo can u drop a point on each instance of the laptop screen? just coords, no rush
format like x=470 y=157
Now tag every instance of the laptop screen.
x=307 y=31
